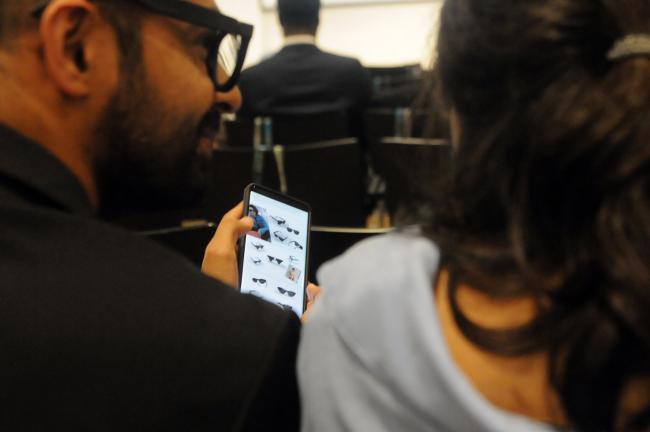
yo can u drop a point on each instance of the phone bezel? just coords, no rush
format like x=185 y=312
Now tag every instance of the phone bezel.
x=284 y=199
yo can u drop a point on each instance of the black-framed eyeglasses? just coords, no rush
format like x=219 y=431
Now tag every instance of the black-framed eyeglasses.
x=291 y=230
x=295 y=244
x=226 y=45
x=286 y=292
x=259 y=281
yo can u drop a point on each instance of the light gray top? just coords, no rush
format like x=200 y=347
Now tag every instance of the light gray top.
x=372 y=356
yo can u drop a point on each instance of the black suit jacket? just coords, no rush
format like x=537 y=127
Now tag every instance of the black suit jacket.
x=105 y=331
x=302 y=79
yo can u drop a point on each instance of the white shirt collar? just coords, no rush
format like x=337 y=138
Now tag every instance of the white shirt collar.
x=300 y=39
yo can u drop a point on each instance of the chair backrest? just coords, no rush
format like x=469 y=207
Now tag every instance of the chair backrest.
x=412 y=167
x=385 y=77
x=327 y=175
x=330 y=242
x=395 y=86
x=380 y=123
x=291 y=129
x=187 y=241
x=401 y=122
x=295 y=129
x=232 y=171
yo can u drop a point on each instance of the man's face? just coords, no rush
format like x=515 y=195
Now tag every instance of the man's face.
x=252 y=212
x=156 y=131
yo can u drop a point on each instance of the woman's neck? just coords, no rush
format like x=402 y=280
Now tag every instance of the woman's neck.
x=520 y=384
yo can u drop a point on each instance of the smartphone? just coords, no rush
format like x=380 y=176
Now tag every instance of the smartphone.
x=273 y=256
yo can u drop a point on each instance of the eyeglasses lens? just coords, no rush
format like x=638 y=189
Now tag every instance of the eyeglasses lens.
x=224 y=53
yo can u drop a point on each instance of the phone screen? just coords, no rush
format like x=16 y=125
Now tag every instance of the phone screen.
x=275 y=252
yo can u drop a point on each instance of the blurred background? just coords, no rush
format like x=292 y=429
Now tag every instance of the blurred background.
x=377 y=32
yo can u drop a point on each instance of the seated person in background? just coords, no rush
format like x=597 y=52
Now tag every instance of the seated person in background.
x=300 y=78
x=260 y=225
x=108 y=105
x=524 y=304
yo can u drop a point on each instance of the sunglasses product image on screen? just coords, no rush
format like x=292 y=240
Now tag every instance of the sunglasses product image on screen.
x=279 y=235
x=278 y=220
x=286 y=292
x=259 y=247
x=273 y=256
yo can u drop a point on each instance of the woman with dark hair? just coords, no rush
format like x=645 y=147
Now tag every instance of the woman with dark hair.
x=523 y=302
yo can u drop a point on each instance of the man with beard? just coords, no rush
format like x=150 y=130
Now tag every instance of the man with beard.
x=106 y=105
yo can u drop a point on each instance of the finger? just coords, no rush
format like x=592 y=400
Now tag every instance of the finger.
x=313 y=291
x=236 y=212
x=231 y=228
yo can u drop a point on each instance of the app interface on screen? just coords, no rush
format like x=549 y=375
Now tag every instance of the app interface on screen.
x=276 y=253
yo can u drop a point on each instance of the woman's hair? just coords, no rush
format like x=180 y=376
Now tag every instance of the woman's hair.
x=550 y=195
x=251 y=206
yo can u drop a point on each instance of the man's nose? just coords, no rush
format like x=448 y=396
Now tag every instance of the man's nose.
x=229 y=101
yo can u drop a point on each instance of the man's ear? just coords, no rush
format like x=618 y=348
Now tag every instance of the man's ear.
x=65 y=28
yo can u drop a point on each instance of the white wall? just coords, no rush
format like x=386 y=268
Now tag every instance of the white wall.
x=377 y=34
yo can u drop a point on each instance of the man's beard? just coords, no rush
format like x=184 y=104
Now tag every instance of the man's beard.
x=148 y=159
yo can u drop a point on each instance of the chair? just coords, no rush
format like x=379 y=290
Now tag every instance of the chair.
x=401 y=122
x=412 y=168
x=383 y=77
x=396 y=122
x=395 y=86
x=232 y=171
x=187 y=241
x=327 y=175
x=294 y=129
x=329 y=242
x=291 y=129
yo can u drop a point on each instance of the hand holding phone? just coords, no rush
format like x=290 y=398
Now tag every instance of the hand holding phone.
x=220 y=259
x=274 y=254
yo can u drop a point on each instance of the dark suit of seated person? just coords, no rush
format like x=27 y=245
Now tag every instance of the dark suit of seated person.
x=300 y=78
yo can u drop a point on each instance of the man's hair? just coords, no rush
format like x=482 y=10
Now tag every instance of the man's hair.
x=125 y=19
x=550 y=196
x=15 y=16
x=299 y=16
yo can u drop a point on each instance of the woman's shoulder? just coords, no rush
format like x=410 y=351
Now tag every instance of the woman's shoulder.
x=389 y=276
x=399 y=257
